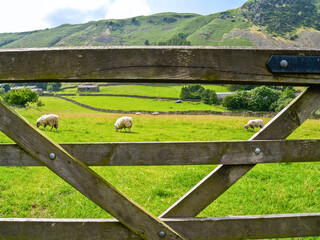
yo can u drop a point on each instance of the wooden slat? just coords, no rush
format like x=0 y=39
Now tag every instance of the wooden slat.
x=242 y=227
x=81 y=177
x=176 y=153
x=150 y=64
x=224 y=176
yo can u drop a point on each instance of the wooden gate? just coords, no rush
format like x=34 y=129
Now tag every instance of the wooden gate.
x=163 y=65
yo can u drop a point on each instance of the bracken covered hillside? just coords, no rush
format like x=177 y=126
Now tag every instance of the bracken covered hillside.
x=261 y=23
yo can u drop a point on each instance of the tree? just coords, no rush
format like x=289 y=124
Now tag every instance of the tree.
x=147 y=42
x=21 y=97
x=286 y=97
x=6 y=87
x=54 y=86
x=209 y=96
x=237 y=100
x=42 y=85
x=185 y=93
x=261 y=98
x=205 y=97
x=236 y=87
x=191 y=92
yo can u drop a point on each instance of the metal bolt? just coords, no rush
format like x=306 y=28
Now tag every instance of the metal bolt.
x=284 y=63
x=52 y=156
x=257 y=151
x=162 y=234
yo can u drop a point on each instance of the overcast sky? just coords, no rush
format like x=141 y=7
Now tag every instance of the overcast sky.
x=27 y=15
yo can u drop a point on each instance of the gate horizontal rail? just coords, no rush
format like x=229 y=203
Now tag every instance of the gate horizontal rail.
x=151 y=64
x=176 y=153
x=236 y=227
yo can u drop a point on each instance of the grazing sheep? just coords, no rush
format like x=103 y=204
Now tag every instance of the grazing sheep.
x=254 y=123
x=49 y=119
x=123 y=122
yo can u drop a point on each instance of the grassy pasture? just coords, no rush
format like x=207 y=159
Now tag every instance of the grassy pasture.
x=267 y=189
x=151 y=90
x=140 y=104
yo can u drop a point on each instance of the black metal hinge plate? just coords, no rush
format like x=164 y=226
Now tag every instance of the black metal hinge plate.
x=294 y=64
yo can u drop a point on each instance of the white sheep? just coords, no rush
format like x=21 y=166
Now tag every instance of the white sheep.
x=49 y=119
x=254 y=123
x=123 y=122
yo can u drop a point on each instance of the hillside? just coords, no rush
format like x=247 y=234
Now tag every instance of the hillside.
x=261 y=23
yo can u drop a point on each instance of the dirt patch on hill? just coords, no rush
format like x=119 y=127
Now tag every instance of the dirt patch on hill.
x=105 y=39
x=305 y=37
x=167 y=29
x=146 y=29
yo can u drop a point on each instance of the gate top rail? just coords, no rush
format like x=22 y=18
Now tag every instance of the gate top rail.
x=245 y=65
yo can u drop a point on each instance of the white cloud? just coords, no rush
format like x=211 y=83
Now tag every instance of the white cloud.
x=18 y=15
x=120 y=9
x=21 y=15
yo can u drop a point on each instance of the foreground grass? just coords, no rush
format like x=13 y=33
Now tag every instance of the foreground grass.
x=267 y=189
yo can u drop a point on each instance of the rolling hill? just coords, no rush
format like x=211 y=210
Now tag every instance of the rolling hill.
x=261 y=23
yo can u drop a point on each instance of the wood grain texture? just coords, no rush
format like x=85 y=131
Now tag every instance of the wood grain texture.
x=150 y=64
x=224 y=176
x=176 y=153
x=242 y=227
x=82 y=178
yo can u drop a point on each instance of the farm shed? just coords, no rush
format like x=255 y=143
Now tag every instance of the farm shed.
x=88 y=88
x=234 y=158
x=222 y=95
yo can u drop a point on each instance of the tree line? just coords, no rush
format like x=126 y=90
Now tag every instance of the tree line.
x=197 y=91
x=251 y=97
x=261 y=98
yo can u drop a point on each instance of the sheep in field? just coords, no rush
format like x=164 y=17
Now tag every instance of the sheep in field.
x=49 y=119
x=254 y=123
x=123 y=122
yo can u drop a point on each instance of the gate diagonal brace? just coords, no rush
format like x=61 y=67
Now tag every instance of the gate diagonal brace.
x=224 y=176
x=85 y=180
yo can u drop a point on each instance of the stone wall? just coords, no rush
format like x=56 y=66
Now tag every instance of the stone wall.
x=191 y=112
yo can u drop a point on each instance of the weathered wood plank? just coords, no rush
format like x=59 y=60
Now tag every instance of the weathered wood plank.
x=81 y=177
x=224 y=176
x=150 y=64
x=176 y=153
x=242 y=227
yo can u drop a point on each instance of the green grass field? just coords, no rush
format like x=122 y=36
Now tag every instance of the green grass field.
x=140 y=104
x=267 y=189
x=152 y=90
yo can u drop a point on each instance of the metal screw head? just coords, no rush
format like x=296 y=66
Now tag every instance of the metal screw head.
x=52 y=156
x=162 y=234
x=257 y=151
x=284 y=63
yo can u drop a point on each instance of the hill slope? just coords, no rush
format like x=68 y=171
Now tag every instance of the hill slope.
x=261 y=23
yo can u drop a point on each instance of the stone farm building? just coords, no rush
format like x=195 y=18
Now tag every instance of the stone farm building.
x=33 y=88
x=222 y=95
x=88 y=88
